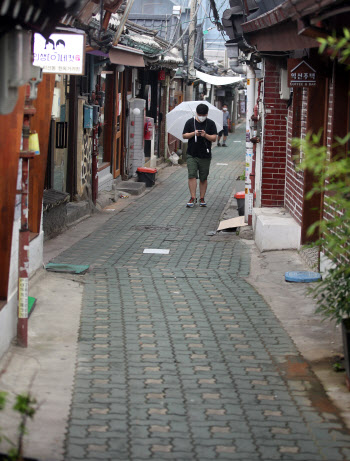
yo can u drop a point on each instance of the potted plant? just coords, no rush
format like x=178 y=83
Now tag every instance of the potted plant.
x=333 y=183
x=333 y=295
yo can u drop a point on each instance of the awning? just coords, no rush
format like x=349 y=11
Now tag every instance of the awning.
x=215 y=80
x=125 y=56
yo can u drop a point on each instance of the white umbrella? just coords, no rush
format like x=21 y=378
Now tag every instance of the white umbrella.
x=177 y=118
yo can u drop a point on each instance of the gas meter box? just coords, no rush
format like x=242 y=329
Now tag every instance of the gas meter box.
x=148 y=128
x=88 y=116
x=96 y=112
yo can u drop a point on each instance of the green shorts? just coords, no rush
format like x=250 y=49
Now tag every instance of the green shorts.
x=198 y=167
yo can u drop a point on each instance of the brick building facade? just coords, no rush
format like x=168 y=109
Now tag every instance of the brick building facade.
x=277 y=39
x=275 y=139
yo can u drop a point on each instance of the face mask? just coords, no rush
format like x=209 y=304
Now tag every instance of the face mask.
x=202 y=118
x=224 y=109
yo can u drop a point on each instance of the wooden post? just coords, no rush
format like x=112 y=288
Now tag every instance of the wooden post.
x=23 y=250
x=23 y=259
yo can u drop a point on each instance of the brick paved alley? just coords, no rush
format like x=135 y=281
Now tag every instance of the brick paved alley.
x=178 y=356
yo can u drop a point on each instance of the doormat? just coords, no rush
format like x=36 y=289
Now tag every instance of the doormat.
x=66 y=268
x=31 y=304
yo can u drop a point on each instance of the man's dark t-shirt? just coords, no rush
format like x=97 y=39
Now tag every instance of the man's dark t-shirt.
x=201 y=148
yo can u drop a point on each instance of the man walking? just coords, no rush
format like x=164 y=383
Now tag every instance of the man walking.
x=200 y=132
x=224 y=131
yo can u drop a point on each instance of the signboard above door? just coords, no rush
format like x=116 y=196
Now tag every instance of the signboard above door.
x=60 y=53
x=301 y=74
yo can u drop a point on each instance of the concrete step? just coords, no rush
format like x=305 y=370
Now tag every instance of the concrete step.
x=131 y=187
x=76 y=211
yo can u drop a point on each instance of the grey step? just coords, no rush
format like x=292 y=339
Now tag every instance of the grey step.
x=77 y=210
x=131 y=187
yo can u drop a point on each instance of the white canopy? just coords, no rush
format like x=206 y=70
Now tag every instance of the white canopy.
x=219 y=81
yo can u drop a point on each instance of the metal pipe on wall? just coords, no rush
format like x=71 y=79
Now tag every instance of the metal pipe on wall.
x=248 y=203
x=167 y=94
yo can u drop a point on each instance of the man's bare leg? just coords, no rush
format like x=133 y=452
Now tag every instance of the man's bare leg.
x=192 y=185
x=203 y=188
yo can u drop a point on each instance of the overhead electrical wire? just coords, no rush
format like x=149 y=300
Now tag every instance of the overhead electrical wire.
x=181 y=37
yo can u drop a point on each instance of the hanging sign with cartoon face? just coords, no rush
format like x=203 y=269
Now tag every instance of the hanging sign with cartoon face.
x=60 y=53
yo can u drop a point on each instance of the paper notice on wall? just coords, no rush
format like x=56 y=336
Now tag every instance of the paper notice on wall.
x=250 y=203
x=23 y=298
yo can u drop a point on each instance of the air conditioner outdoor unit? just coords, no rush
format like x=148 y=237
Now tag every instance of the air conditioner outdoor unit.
x=284 y=88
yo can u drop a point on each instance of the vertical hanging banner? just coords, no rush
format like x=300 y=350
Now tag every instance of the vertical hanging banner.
x=60 y=53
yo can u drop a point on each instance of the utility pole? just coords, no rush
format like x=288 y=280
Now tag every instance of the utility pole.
x=190 y=50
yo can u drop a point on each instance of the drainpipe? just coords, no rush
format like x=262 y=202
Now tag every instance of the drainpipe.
x=207 y=95
x=255 y=139
x=239 y=69
x=248 y=203
x=167 y=94
x=212 y=94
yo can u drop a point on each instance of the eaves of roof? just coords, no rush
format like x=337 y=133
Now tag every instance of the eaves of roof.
x=144 y=43
x=289 y=10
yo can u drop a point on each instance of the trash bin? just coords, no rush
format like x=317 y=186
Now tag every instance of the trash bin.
x=147 y=175
x=240 y=197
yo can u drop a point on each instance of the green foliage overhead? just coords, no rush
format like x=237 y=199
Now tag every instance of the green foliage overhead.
x=338 y=47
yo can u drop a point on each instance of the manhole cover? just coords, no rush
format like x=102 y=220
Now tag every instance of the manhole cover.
x=157 y=228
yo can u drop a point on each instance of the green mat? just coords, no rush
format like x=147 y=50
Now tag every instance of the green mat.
x=67 y=268
x=31 y=304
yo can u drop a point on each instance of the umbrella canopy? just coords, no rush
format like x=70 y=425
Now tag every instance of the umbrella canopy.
x=177 y=118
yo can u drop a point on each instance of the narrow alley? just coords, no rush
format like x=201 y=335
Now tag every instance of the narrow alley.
x=178 y=356
x=131 y=328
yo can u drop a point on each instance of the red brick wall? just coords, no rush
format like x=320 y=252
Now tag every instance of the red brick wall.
x=294 y=194
x=275 y=137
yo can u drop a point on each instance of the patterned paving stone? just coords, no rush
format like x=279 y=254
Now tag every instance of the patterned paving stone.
x=179 y=358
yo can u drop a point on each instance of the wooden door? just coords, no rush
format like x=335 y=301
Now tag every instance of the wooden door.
x=119 y=124
x=316 y=120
